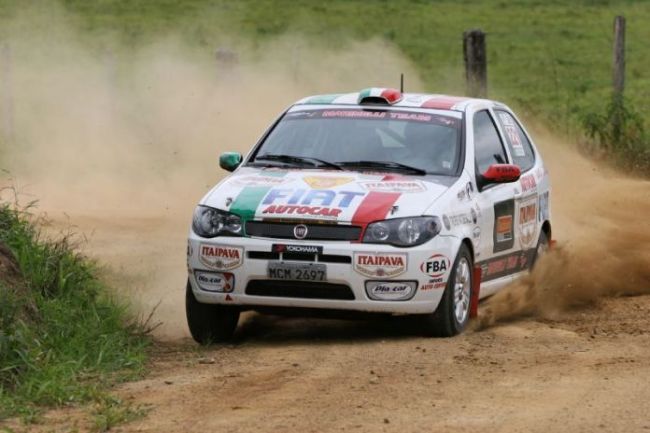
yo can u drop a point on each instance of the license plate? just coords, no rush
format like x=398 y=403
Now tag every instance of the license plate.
x=297 y=271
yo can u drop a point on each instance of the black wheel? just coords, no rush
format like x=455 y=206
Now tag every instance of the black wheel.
x=542 y=248
x=209 y=323
x=452 y=314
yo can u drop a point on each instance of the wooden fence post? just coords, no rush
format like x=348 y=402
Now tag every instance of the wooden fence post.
x=618 y=79
x=475 y=56
x=619 y=57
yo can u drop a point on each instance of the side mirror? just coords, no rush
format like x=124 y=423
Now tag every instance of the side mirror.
x=229 y=161
x=501 y=173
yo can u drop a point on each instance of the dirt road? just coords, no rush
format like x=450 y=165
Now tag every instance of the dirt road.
x=584 y=373
x=588 y=373
x=555 y=370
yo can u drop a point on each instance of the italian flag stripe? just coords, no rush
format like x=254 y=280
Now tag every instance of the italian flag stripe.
x=365 y=93
x=247 y=201
x=375 y=206
x=323 y=99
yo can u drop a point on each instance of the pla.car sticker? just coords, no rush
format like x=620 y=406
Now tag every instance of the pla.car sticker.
x=215 y=282
x=390 y=290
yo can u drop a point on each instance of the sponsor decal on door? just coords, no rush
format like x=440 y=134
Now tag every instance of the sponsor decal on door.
x=504 y=230
x=527 y=223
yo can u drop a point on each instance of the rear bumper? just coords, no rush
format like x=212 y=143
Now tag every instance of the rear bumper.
x=247 y=274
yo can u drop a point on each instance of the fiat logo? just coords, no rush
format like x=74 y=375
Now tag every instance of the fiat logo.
x=300 y=231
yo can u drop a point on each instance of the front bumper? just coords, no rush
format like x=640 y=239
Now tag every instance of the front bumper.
x=427 y=265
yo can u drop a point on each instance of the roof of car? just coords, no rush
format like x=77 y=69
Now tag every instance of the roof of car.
x=394 y=98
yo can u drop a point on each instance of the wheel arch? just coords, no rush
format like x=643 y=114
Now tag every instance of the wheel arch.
x=546 y=228
x=470 y=246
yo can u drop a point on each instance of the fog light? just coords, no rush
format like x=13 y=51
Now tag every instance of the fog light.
x=215 y=281
x=391 y=290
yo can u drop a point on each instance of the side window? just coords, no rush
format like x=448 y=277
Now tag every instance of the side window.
x=519 y=145
x=488 y=148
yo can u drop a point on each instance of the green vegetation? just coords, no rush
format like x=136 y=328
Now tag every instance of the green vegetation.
x=550 y=59
x=63 y=339
x=111 y=411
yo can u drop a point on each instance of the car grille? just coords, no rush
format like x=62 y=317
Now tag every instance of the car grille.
x=299 y=289
x=301 y=257
x=323 y=232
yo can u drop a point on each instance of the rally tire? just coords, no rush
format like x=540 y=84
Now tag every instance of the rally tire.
x=541 y=249
x=452 y=315
x=209 y=323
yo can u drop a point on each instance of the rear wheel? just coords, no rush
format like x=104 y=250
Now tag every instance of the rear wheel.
x=542 y=247
x=452 y=314
x=209 y=323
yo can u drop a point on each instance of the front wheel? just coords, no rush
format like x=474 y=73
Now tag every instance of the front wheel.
x=209 y=323
x=452 y=315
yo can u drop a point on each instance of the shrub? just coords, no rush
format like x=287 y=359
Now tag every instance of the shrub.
x=63 y=338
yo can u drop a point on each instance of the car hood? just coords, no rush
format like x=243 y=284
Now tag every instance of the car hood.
x=325 y=195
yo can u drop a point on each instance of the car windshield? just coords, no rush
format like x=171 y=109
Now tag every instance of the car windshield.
x=368 y=139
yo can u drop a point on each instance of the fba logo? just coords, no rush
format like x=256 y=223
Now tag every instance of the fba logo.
x=435 y=266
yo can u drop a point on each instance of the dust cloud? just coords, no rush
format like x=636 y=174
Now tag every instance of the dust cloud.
x=120 y=142
x=600 y=219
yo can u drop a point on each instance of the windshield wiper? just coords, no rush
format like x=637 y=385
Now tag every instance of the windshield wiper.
x=382 y=164
x=297 y=160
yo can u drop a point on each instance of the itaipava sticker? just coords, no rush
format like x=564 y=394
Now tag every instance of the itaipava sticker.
x=220 y=257
x=380 y=265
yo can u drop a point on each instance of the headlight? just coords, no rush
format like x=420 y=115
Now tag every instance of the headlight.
x=209 y=223
x=403 y=232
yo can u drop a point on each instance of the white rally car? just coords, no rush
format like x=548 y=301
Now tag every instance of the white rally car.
x=375 y=201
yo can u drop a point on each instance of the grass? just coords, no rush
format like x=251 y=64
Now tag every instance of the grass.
x=63 y=338
x=111 y=411
x=550 y=57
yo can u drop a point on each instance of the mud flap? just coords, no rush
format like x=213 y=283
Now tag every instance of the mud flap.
x=476 y=285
